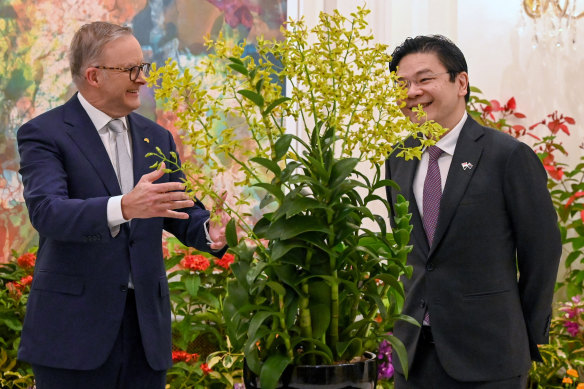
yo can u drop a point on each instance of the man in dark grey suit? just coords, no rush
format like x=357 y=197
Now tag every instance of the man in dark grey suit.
x=486 y=245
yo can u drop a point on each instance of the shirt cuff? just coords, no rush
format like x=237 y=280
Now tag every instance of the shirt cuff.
x=114 y=212
x=206 y=228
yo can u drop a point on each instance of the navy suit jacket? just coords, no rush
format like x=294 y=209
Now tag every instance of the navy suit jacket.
x=79 y=289
x=488 y=279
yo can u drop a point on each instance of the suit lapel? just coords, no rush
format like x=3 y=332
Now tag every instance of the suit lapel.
x=84 y=134
x=468 y=153
x=140 y=146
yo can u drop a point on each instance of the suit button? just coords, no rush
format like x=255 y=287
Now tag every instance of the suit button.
x=422 y=303
x=124 y=288
x=429 y=266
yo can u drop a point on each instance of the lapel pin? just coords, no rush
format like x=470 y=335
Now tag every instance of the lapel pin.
x=146 y=140
x=466 y=165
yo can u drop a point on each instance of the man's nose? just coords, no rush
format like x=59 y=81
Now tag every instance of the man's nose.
x=141 y=79
x=414 y=90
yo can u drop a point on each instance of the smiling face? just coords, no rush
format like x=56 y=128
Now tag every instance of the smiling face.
x=112 y=90
x=430 y=85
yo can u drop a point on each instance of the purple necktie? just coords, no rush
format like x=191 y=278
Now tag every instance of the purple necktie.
x=432 y=193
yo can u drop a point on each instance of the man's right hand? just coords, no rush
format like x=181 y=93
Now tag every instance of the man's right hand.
x=148 y=199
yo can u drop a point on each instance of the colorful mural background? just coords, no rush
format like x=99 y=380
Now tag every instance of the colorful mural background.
x=34 y=70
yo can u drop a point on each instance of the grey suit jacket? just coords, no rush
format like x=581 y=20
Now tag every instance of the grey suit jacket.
x=488 y=279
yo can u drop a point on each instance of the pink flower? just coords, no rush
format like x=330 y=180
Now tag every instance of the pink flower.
x=572 y=328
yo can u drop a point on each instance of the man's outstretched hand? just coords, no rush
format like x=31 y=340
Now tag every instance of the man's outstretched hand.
x=148 y=199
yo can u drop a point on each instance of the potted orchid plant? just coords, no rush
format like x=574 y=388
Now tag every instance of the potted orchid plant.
x=316 y=271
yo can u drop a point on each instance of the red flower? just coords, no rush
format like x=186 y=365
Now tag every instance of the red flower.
x=206 y=369
x=14 y=289
x=511 y=104
x=26 y=260
x=225 y=261
x=24 y=281
x=573 y=197
x=554 y=172
x=195 y=262
x=183 y=356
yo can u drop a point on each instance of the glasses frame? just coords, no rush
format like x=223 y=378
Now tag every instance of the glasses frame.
x=423 y=80
x=140 y=67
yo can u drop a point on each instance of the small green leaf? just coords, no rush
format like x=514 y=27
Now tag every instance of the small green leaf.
x=268 y=164
x=274 y=104
x=282 y=145
x=236 y=60
x=239 y=68
x=256 y=98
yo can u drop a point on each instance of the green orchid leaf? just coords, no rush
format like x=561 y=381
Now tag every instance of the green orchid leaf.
x=348 y=350
x=276 y=287
x=298 y=204
x=400 y=350
x=342 y=169
x=239 y=68
x=257 y=321
x=274 y=104
x=268 y=164
x=273 y=369
x=276 y=190
x=231 y=233
x=236 y=60
x=282 y=145
x=256 y=98
x=296 y=225
x=384 y=183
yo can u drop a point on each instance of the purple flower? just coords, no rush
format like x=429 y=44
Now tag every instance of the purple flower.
x=572 y=328
x=385 y=365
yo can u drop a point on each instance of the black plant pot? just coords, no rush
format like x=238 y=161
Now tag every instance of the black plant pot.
x=358 y=375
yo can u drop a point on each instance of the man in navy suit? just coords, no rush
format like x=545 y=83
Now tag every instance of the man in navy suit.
x=486 y=245
x=98 y=315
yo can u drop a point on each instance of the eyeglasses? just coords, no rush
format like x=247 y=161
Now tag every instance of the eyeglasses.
x=134 y=70
x=424 y=79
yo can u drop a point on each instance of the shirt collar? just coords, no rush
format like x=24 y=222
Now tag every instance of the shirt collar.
x=98 y=118
x=448 y=142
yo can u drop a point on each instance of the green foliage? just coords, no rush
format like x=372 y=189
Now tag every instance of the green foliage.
x=15 y=279
x=312 y=283
x=203 y=356
x=563 y=357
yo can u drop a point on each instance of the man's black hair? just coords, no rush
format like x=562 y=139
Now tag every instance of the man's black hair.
x=447 y=52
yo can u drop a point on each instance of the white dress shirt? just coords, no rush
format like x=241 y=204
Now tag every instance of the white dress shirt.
x=100 y=121
x=448 y=144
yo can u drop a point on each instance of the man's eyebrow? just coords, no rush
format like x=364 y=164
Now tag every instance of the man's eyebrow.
x=421 y=72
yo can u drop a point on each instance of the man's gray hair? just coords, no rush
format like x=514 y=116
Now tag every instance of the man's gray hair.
x=88 y=43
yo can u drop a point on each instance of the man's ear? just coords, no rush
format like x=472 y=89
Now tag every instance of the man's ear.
x=92 y=76
x=462 y=82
